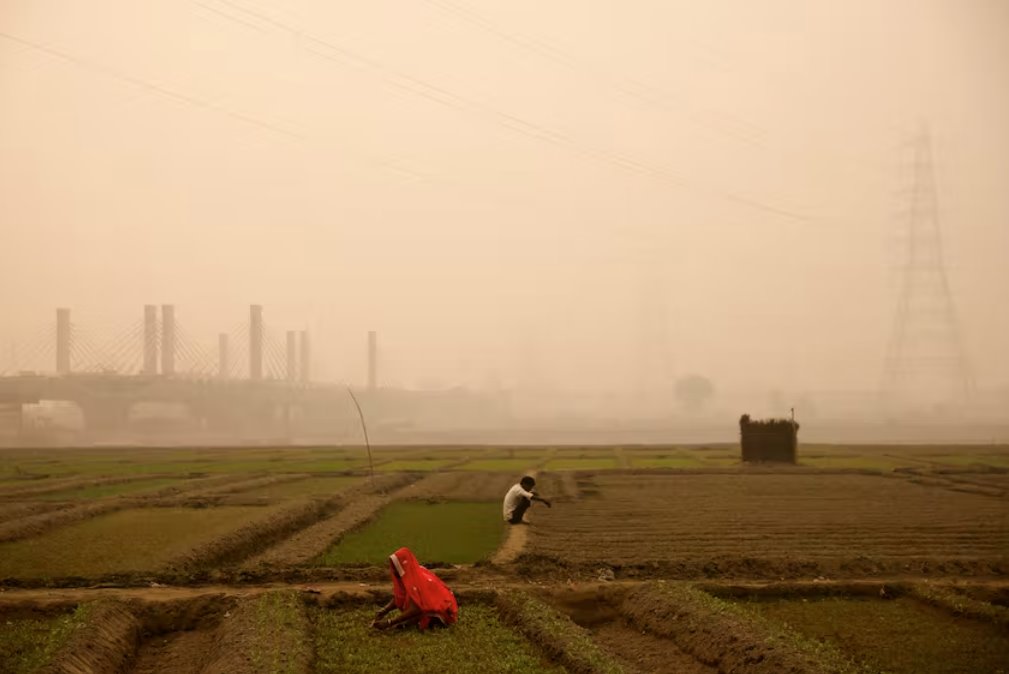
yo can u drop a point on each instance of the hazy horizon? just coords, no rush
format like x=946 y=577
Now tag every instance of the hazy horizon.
x=593 y=198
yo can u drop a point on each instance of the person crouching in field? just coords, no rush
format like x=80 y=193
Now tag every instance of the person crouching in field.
x=420 y=596
x=519 y=498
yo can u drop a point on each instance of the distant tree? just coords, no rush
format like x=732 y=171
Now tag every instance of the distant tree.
x=694 y=391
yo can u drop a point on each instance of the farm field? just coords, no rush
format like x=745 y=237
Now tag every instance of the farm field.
x=780 y=518
x=461 y=485
x=454 y=533
x=142 y=539
x=116 y=489
x=28 y=642
x=313 y=486
x=665 y=461
x=479 y=642
x=206 y=548
x=868 y=631
x=502 y=465
x=598 y=463
x=610 y=629
x=406 y=465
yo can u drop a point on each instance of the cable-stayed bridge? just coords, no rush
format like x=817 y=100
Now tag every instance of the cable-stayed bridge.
x=251 y=386
x=252 y=382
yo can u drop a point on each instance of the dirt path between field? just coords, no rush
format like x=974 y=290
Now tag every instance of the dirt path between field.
x=515 y=543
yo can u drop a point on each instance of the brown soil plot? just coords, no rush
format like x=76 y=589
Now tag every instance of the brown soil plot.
x=647 y=517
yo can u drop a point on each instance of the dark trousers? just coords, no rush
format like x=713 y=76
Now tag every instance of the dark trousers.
x=520 y=510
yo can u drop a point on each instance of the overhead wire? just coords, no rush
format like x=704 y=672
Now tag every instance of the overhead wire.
x=183 y=97
x=630 y=87
x=150 y=86
x=445 y=97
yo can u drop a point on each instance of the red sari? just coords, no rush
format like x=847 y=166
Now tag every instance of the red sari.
x=413 y=584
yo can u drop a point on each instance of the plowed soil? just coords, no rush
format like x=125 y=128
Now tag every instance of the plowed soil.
x=644 y=518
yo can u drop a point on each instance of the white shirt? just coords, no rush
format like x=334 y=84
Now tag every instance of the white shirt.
x=513 y=498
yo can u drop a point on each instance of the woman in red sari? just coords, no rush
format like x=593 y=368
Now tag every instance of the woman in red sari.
x=420 y=596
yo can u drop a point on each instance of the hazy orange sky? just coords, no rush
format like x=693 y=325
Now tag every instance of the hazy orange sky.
x=587 y=196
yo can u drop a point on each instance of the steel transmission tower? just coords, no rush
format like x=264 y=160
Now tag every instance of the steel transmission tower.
x=925 y=362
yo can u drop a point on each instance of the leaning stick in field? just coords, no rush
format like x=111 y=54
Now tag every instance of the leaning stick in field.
x=364 y=426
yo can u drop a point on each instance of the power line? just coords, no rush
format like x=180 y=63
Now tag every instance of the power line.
x=150 y=86
x=642 y=92
x=197 y=102
x=445 y=97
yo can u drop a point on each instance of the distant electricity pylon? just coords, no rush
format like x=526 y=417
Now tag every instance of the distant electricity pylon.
x=925 y=361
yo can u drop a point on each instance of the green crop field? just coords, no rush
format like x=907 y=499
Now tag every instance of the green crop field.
x=139 y=461
x=140 y=539
x=479 y=642
x=28 y=643
x=415 y=464
x=501 y=465
x=668 y=462
x=313 y=486
x=900 y=635
x=581 y=464
x=866 y=461
x=604 y=453
x=455 y=532
x=961 y=460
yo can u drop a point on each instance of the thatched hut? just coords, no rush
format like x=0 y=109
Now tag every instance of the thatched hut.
x=768 y=439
